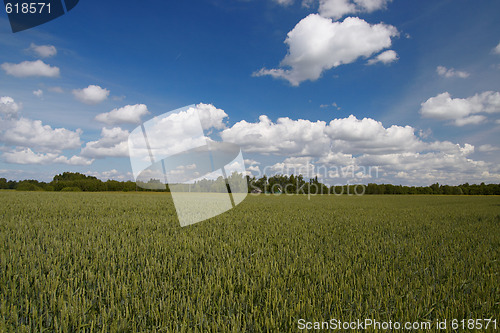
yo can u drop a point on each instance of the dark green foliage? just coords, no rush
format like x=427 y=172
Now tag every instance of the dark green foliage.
x=71 y=189
x=28 y=185
x=275 y=184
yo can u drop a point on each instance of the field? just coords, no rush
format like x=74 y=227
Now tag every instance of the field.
x=108 y=262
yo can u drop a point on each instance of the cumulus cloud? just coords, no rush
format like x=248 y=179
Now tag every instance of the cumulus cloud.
x=451 y=72
x=285 y=137
x=497 y=49
x=32 y=133
x=425 y=162
x=27 y=156
x=113 y=143
x=336 y=9
x=295 y=165
x=38 y=93
x=354 y=136
x=344 y=149
x=8 y=107
x=317 y=44
x=210 y=116
x=316 y=139
x=461 y=111
x=183 y=130
x=129 y=114
x=424 y=168
x=359 y=150
x=385 y=57
x=27 y=135
x=43 y=51
x=305 y=138
x=30 y=68
x=253 y=168
x=91 y=95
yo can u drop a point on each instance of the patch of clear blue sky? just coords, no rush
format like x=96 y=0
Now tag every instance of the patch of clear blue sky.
x=168 y=54
x=173 y=53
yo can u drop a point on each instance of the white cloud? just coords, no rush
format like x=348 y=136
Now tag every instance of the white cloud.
x=335 y=105
x=346 y=149
x=351 y=135
x=111 y=174
x=296 y=166
x=27 y=156
x=113 y=143
x=316 y=139
x=210 y=116
x=471 y=120
x=285 y=137
x=30 y=68
x=182 y=129
x=443 y=107
x=461 y=110
x=449 y=166
x=385 y=57
x=337 y=158
x=91 y=95
x=497 y=49
x=129 y=114
x=431 y=162
x=251 y=162
x=9 y=107
x=38 y=93
x=32 y=133
x=338 y=8
x=487 y=148
x=253 y=168
x=427 y=168
x=43 y=51
x=317 y=44
x=451 y=72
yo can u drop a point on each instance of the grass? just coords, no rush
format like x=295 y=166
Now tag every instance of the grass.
x=108 y=262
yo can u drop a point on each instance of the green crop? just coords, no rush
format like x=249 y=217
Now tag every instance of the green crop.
x=108 y=262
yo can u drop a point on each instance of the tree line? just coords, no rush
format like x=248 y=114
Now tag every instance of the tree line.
x=300 y=185
x=70 y=181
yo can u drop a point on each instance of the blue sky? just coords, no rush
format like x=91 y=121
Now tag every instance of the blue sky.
x=409 y=88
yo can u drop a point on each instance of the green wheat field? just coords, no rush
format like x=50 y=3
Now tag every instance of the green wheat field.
x=120 y=262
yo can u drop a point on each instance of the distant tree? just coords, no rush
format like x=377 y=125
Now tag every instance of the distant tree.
x=435 y=188
x=28 y=185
